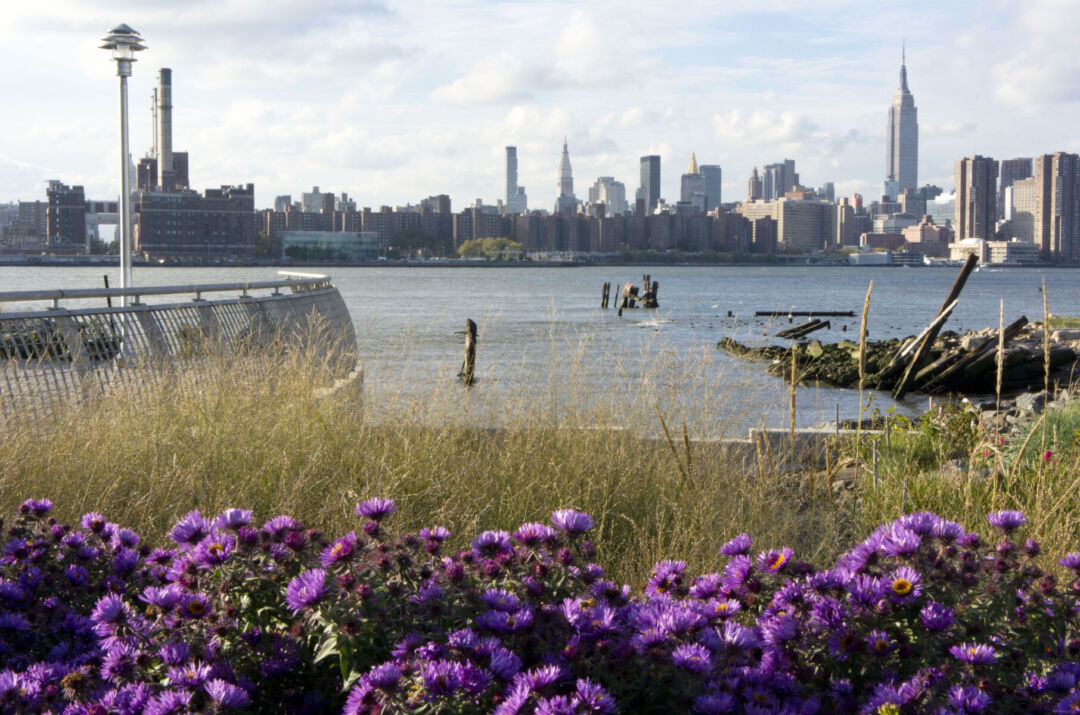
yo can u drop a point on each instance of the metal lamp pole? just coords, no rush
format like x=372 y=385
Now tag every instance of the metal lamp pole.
x=124 y=43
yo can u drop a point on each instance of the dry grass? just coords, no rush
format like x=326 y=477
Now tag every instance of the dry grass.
x=470 y=459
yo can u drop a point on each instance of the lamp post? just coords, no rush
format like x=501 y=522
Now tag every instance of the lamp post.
x=124 y=43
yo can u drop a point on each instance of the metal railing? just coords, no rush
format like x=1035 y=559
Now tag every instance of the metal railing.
x=57 y=353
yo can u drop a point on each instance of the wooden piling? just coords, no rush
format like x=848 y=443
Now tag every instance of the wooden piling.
x=604 y=295
x=468 y=367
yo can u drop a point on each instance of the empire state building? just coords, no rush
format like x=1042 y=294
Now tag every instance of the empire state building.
x=902 y=142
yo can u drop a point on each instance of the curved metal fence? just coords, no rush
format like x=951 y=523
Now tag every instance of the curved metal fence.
x=58 y=345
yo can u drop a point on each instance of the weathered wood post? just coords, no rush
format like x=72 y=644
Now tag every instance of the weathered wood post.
x=468 y=367
x=604 y=294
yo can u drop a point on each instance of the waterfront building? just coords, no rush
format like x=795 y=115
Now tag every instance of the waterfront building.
x=902 y=139
x=713 y=185
x=976 y=197
x=610 y=193
x=566 y=201
x=330 y=245
x=65 y=221
x=801 y=226
x=182 y=225
x=753 y=187
x=928 y=238
x=844 y=224
x=693 y=189
x=894 y=223
x=650 y=182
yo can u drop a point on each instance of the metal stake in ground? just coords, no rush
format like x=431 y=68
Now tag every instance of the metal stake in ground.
x=468 y=365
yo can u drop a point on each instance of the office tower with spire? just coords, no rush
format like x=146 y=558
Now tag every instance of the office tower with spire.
x=566 y=200
x=753 y=187
x=650 y=182
x=693 y=189
x=516 y=201
x=902 y=140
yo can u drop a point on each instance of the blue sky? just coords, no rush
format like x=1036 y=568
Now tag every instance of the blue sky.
x=393 y=101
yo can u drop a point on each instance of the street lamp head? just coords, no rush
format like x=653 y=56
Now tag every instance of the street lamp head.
x=124 y=43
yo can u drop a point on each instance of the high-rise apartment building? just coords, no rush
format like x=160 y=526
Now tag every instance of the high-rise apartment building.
x=713 y=179
x=66 y=216
x=650 y=181
x=902 y=140
x=976 y=197
x=1046 y=207
x=566 y=200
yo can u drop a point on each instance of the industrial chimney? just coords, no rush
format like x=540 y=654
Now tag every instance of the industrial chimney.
x=167 y=180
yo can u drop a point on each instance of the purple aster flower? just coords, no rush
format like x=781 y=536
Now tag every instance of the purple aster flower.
x=12 y=621
x=214 y=550
x=434 y=533
x=93 y=522
x=384 y=677
x=946 y=530
x=692 y=657
x=36 y=507
x=739 y=545
x=880 y=642
x=226 y=694
x=376 y=509
x=125 y=561
x=442 y=677
x=340 y=550
x=533 y=534
x=773 y=561
x=232 y=519
x=666 y=578
x=109 y=609
x=195 y=606
x=936 y=617
x=905 y=583
x=593 y=697
x=504 y=663
x=169 y=702
x=706 y=586
x=490 y=544
x=506 y=622
x=281 y=525
x=1071 y=561
x=555 y=705
x=500 y=599
x=974 y=653
x=306 y=590
x=736 y=572
x=174 y=653
x=1007 y=520
x=777 y=631
x=76 y=575
x=572 y=522
x=191 y=529
x=900 y=541
x=969 y=699
x=191 y=675
x=714 y=704
x=163 y=597
x=541 y=676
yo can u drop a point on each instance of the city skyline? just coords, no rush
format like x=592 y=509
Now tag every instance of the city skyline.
x=386 y=102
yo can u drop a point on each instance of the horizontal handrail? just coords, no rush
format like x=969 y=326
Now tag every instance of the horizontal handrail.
x=306 y=279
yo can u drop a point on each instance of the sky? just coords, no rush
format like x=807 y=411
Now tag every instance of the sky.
x=393 y=101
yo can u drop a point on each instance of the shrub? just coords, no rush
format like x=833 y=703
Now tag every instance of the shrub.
x=922 y=616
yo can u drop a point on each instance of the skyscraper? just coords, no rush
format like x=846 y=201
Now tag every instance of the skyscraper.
x=566 y=200
x=1011 y=170
x=1046 y=207
x=902 y=140
x=976 y=197
x=713 y=177
x=511 y=178
x=778 y=179
x=650 y=181
x=753 y=187
x=692 y=189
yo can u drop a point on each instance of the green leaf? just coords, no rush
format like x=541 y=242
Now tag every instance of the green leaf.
x=327 y=649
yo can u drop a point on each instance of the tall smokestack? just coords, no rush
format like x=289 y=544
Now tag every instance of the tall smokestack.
x=164 y=129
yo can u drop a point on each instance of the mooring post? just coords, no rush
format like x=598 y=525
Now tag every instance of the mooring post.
x=469 y=366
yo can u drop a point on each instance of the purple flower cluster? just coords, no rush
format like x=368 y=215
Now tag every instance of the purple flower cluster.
x=922 y=616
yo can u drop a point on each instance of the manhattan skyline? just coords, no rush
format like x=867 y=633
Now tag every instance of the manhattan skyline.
x=391 y=102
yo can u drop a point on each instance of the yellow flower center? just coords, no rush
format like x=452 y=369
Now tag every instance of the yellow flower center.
x=889 y=709
x=901 y=587
x=778 y=561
